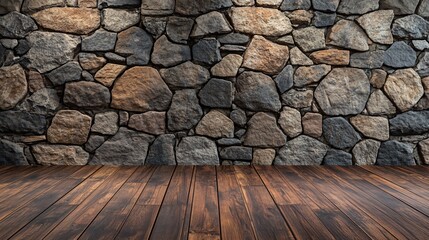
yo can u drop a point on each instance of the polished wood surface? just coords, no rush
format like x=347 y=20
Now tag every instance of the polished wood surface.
x=208 y=202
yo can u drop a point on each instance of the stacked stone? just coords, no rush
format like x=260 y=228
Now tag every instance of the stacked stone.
x=287 y=82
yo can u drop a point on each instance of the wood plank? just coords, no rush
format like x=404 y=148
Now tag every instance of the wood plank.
x=234 y=218
x=77 y=221
x=204 y=223
x=173 y=209
x=141 y=219
x=188 y=214
x=421 y=170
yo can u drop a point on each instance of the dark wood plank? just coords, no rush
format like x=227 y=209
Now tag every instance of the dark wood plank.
x=141 y=219
x=421 y=170
x=234 y=218
x=173 y=210
x=204 y=222
x=188 y=214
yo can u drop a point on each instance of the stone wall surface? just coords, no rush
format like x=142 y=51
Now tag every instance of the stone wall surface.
x=287 y=82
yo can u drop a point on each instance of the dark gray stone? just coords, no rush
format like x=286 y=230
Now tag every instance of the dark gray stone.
x=179 y=28
x=113 y=57
x=197 y=151
x=401 y=7
x=2 y=54
x=100 y=41
x=423 y=65
x=228 y=141
x=236 y=153
x=185 y=75
x=11 y=153
x=136 y=44
x=339 y=133
x=86 y=95
x=284 y=80
x=16 y=25
x=290 y=5
x=155 y=25
x=22 y=122
x=233 y=48
x=22 y=48
x=412 y=26
x=234 y=38
x=410 y=123
x=207 y=51
x=94 y=142
x=395 y=153
x=424 y=8
x=185 y=111
x=196 y=7
x=118 y=3
x=338 y=158
x=7 y=6
x=370 y=59
x=326 y=5
x=239 y=117
x=168 y=54
x=68 y=72
x=217 y=93
x=45 y=101
x=357 y=7
x=127 y=147
x=302 y=150
x=400 y=55
x=162 y=151
x=322 y=19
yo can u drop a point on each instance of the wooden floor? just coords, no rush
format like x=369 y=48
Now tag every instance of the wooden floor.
x=223 y=202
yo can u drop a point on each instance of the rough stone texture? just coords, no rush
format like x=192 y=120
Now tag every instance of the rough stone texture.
x=197 y=151
x=284 y=80
x=117 y=20
x=337 y=158
x=290 y=122
x=266 y=56
x=13 y=86
x=395 y=153
x=400 y=55
x=69 y=20
x=370 y=59
x=10 y=5
x=238 y=116
x=149 y=122
x=331 y=57
x=299 y=58
x=118 y=3
x=300 y=17
x=141 y=89
x=424 y=150
x=217 y=93
x=263 y=156
x=302 y=150
x=11 y=153
x=184 y=112
x=91 y=62
x=378 y=78
x=347 y=34
x=156 y=7
x=59 y=155
x=16 y=25
x=423 y=65
x=322 y=19
x=343 y=92
x=206 y=51
x=106 y=123
x=109 y=73
x=372 y=127
x=410 y=123
x=155 y=25
x=36 y=5
x=178 y=29
x=366 y=152
x=308 y=75
x=45 y=101
x=69 y=127
x=379 y=104
x=260 y=21
x=210 y=23
x=377 y=25
x=194 y=7
x=168 y=54
x=298 y=98
x=68 y=72
x=411 y=26
x=405 y=88
x=215 y=125
x=310 y=38
x=22 y=122
x=136 y=44
x=400 y=7
x=312 y=124
x=185 y=75
x=236 y=153
x=86 y=95
x=256 y=92
x=127 y=147
x=339 y=133
x=228 y=66
x=357 y=7
x=326 y=5
x=264 y=132
x=288 y=5
x=162 y=151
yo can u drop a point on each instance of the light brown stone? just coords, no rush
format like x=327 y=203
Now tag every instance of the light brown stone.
x=312 y=74
x=379 y=104
x=108 y=74
x=266 y=56
x=141 y=89
x=69 y=127
x=263 y=156
x=13 y=86
x=264 y=132
x=88 y=3
x=378 y=78
x=372 y=127
x=90 y=61
x=424 y=150
x=299 y=58
x=69 y=20
x=59 y=155
x=312 y=124
x=290 y=122
x=300 y=17
x=228 y=66
x=216 y=125
x=149 y=122
x=35 y=81
x=331 y=56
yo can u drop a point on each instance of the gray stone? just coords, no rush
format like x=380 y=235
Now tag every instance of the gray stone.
x=420 y=44
x=185 y=75
x=326 y=5
x=206 y=51
x=298 y=98
x=11 y=153
x=377 y=25
x=127 y=147
x=179 y=28
x=423 y=147
x=423 y=65
x=7 y=6
x=322 y=19
x=410 y=123
x=312 y=74
x=59 y=155
x=22 y=122
x=185 y=111
x=50 y=50
x=239 y=117
x=284 y=80
x=412 y=26
x=337 y=158
x=400 y=7
x=100 y=41
x=118 y=3
x=68 y=72
x=228 y=141
x=136 y=44
x=290 y=5
x=36 y=5
x=162 y=151
x=94 y=142
x=256 y=92
x=149 y=122
x=86 y=95
x=217 y=93
x=9 y=43
x=197 y=151
x=228 y=66
x=379 y=104
x=113 y=57
x=197 y=7
x=395 y=153
x=299 y=58
x=211 y=23
x=366 y=152
x=290 y=122
x=236 y=153
x=157 y=7
x=155 y=25
x=13 y=86
x=339 y=133
x=302 y=150
x=233 y=48
x=310 y=38
x=106 y=123
x=347 y=34
x=215 y=125
x=234 y=38
x=16 y=25
x=45 y=101
x=357 y=7
x=117 y=20
x=168 y=54
x=370 y=59
x=423 y=8
x=344 y=91
x=263 y=132
x=22 y=48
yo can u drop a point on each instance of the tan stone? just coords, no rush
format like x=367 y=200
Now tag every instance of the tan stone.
x=13 y=86
x=290 y=122
x=378 y=78
x=299 y=58
x=59 y=155
x=141 y=89
x=216 y=125
x=266 y=56
x=69 y=20
x=365 y=152
x=377 y=25
x=372 y=127
x=331 y=56
x=424 y=150
x=264 y=132
x=69 y=127
x=149 y=122
x=379 y=104
x=312 y=124
x=263 y=156
x=108 y=74
x=88 y=3
x=36 y=81
x=228 y=66
x=300 y=17
x=90 y=61
x=33 y=139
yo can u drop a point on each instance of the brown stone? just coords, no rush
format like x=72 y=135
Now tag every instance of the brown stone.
x=35 y=81
x=216 y=125
x=69 y=20
x=372 y=127
x=290 y=122
x=149 y=122
x=90 y=61
x=263 y=156
x=424 y=150
x=378 y=78
x=13 y=86
x=141 y=89
x=69 y=127
x=59 y=155
x=264 y=132
x=348 y=34
x=108 y=74
x=88 y=3
x=86 y=94
x=312 y=74
x=331 y=57
x=300 y=17
x=312 y=124
x=228 y=66
x=299 y=58
x=266 y=56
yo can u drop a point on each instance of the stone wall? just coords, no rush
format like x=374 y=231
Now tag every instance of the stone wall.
x=294 y=82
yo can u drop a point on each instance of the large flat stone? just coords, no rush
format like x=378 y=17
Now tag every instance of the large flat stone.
x=197 y=151
x=46 y=154
x=302 y=150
